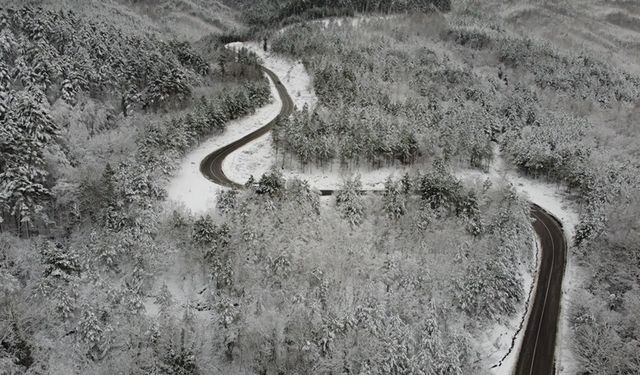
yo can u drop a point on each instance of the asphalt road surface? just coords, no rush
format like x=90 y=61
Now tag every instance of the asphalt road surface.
x=536 y=355
x=211 y=166
x=538 y=347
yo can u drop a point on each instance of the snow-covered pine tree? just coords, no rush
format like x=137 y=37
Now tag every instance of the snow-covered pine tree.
x=350 y=201
x=394 y=200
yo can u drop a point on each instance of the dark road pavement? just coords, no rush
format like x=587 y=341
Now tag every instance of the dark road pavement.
x=536 y=355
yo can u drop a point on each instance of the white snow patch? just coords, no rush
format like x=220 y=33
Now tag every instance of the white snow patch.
x=574 y=277
x=254 y=159
x=553 y=199
x=332 y=177
x=186 y=287
x=355 y=21
x=189 y=187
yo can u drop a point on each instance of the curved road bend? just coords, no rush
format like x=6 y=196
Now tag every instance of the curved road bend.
x=536 y=355
x=211 y=165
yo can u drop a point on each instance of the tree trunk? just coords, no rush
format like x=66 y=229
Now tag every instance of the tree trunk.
x=123 y=103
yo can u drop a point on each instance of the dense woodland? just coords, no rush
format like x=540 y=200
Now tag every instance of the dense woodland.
x=94 y=120
x=96 y=116
x=384 y=96
x=410 y=91
x=309 y=289
x=45 y=84
x=267 y=14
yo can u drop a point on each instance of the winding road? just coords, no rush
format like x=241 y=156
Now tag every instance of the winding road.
x=211 y=166
x=536 y=355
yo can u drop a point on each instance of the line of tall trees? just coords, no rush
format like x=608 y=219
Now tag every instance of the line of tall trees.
x=270 y=13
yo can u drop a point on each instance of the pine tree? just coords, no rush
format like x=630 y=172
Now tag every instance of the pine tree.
x=227 y=201
x=204 y=231
x=28 y=129
x=406 y=184
x=350 y=202
x=394 y=201
x=59 y=261
x=272 y=184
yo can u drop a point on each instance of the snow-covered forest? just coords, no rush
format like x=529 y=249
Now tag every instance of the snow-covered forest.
x=413 y=89
x=101 y=272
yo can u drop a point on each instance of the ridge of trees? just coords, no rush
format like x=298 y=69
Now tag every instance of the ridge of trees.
x=73 y=288
x=271 y=13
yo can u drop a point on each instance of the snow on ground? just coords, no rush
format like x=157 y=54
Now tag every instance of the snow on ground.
x=257 y=157
x=566 y=363
x=552 y=197
x=254 y=159
x=187 y=288
x=332 y=177
x=501 y=343
x=355 y=21
x=189 y=187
